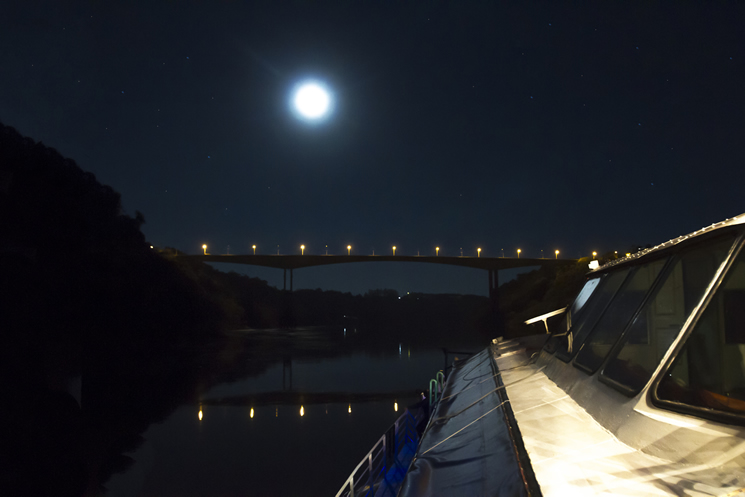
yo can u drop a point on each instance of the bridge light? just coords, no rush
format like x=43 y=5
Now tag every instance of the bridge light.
x=395 y=406
x=252 y=413
x=478 y=251
x=350 y=409
x=594 y=254
x=437 y=251
x=204 y=247
x=394 y=253
x=254 y=247
x=349 y=250
x=302 y=249
x=518 y=253
x=557 y=254
x=200 y=413
x=302 y=411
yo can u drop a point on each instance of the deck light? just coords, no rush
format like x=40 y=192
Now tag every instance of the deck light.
x=437 y=251
x=200 y=413
x=395 y=406
x=557 y=254
x=302 y=411
x=204 y=247
x=518 y=253
x=349 y=250
x=478 y=251
x=254 y=247
x=302 y=249
x=394 y=253
x=252 y=413
x=594 y=254
x=350 y=409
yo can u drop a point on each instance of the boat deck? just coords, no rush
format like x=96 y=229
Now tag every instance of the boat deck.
x=556 y=448
x=572 y=454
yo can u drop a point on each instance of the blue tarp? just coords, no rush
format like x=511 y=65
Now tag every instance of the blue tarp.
x=467 y=449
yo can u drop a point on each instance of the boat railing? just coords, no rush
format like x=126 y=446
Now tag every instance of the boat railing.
x=435 y=388
x=382 y=470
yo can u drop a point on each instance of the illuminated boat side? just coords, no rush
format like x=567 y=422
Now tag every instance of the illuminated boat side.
x=638 y=389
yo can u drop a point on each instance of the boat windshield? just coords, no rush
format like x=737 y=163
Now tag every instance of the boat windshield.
x=617 y=316
x=659 y=322
x=593 y=309
x=581 y=300
x=708 y=375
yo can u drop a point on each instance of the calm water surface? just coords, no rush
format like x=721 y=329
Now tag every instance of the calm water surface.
x=253 y=440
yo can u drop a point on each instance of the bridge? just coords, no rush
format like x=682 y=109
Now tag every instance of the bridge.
x=291 y=262
x=301 y=261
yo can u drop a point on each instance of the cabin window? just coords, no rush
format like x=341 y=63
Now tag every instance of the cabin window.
x=660 y=321
x=610 y=326
x=709 y=372
x=581 y=300
x=593 y=309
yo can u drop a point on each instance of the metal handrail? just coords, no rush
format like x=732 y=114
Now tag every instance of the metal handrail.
x=432 y=392
x=439 y=384
x=365 y=477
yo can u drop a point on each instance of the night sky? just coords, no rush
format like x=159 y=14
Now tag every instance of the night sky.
x=460 y=125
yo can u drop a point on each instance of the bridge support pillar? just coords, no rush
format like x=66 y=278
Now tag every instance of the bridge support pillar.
x=284 y=282
x=287 y=318
x=494 y=298
x=494 y=286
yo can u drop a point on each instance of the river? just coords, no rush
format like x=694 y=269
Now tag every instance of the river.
x=290 y=412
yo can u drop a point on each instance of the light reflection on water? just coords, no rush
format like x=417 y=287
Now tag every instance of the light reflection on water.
x=277 y=452
x=251 y=449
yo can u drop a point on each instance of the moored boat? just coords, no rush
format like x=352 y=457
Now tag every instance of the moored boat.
x=638 y=388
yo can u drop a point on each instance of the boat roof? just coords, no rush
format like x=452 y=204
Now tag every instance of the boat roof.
x=740 y=219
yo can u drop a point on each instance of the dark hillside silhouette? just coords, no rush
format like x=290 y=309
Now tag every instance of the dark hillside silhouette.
x=83 y=296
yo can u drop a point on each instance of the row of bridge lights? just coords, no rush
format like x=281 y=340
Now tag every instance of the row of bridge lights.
x=200 y=414
x=437 y=251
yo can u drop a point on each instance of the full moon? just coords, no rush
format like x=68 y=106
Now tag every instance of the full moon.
x=312 y=101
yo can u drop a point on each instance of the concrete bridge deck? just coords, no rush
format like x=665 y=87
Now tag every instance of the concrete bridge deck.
x=301 y=261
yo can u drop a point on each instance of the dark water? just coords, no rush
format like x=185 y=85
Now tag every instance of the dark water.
x=297 y=425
